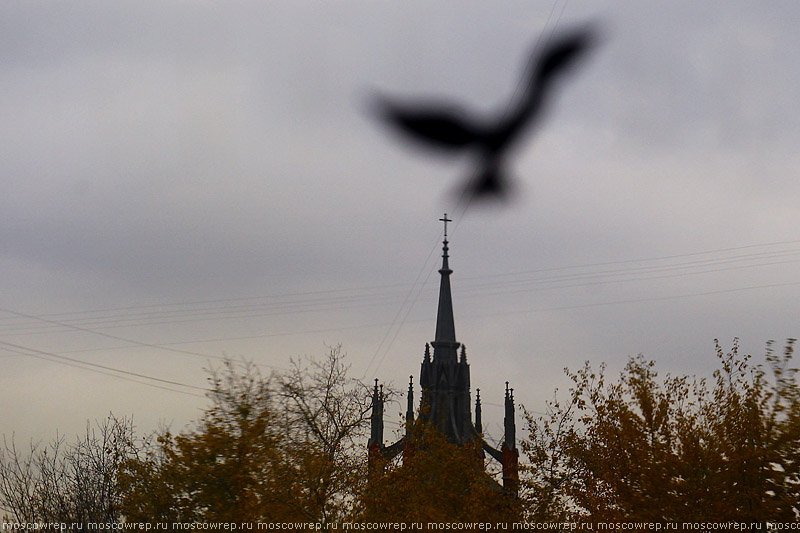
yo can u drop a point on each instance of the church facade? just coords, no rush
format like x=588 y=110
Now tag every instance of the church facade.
x=445 y=401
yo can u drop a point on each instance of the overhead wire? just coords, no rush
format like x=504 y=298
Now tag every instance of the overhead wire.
x=572 y=280
x=20 y=350
x=470 y=316
x=375 y=296
x=473 y=286
x=408 y=309
x=98 y=368
x=107 y=335
x=246 y=337
x=212 y=301
x=611 y=277
x=398 y=314
x=116 y=337
x=68 y=314
x=661 y=258
x=643 y=300
x=29 y=329
x=219 y=312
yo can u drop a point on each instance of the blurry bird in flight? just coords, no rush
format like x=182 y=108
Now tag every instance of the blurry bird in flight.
x=446 y=127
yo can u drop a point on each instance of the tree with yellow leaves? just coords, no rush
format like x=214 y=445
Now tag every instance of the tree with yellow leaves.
x=267 y=450
x=436 y=481
x=671 y=450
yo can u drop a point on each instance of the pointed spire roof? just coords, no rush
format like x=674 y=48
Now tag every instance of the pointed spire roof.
x=478 y=417
x=376 y=420
x=410 y=407
x=445 y=324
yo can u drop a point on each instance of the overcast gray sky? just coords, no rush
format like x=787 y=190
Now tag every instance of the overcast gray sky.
x=187 y=180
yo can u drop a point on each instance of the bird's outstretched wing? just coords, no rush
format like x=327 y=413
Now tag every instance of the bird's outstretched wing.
x=447 y=127
x=560 y=53
x=438 y=125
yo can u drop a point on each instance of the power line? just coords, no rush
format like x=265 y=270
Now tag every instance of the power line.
x=649 y=299
x=399 y=311
x=214 y=301
x=374 y=297
x=225 y=312
x=508 y=287
x=681 y=266
x=131 y=341
x=107 y=370
x=100 y=333
x=495 y=284
x=103 y=369
x=583 y=280
x=657 y=258
x=468 y=316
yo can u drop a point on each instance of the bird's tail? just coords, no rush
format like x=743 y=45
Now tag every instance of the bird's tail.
x=489 y=184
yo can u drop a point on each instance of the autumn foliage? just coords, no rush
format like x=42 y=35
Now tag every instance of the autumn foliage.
x=291 y=446
x=287 y=447
x=436 y=481
x=675 y=449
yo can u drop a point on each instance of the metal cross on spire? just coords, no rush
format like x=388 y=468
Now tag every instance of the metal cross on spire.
x=445 y=220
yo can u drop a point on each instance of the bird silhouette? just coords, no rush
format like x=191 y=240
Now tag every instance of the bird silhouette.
x=446 y=127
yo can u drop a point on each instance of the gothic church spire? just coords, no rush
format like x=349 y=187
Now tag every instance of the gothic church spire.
x=444 y=344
